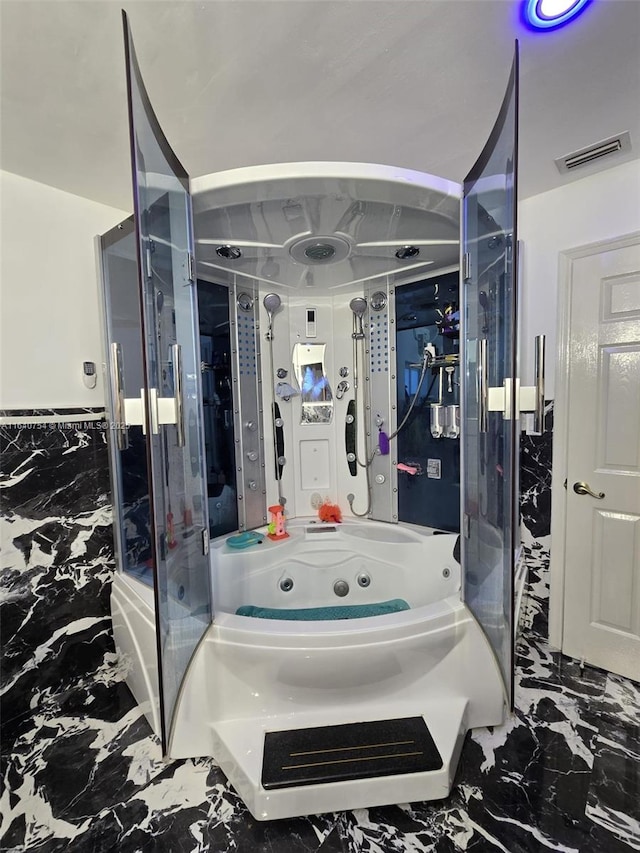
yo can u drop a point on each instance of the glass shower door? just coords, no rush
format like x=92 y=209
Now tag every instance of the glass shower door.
x=490 y=434
x=127 y=447
x=172 y=392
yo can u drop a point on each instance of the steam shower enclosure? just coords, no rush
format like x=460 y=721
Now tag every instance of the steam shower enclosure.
x=301 y=342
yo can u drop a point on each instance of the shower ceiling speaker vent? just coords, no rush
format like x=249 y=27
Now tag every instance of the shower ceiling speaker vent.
x=320 y=250
x=606 y=148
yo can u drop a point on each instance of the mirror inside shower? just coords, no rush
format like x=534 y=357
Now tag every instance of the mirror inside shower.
x=428 y=446
x=315 y=391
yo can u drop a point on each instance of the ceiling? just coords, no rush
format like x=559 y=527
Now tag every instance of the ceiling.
x=330 y=228
x=409 y=83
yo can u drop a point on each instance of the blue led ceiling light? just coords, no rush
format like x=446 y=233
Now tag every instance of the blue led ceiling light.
x=549 y=14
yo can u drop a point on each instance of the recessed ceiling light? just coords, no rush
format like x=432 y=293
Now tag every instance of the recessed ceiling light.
x=231 y=253
x=407 y=252
x=549 y=14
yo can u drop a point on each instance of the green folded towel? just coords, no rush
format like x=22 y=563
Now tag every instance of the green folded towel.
x=340 y=611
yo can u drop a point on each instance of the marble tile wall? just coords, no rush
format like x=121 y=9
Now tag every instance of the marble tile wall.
x=56 y=567
x=535 y=509
x=535 y=481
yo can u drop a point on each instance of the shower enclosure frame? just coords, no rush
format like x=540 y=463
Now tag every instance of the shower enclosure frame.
x=149 y=412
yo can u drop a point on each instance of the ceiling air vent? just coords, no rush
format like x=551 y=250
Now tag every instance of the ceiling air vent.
x=606 y=148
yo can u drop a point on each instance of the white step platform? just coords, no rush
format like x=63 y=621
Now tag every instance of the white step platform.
x=238 y=746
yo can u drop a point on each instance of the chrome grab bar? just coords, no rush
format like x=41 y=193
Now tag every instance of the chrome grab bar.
x=176 y=357
x=117 y=392
x=482 y=383
x=538 y=412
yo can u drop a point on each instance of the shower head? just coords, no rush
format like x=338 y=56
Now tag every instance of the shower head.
x=358 y=305
x=272 y=303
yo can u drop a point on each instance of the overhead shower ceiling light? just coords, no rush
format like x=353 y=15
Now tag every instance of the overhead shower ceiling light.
x=230 y=253
x=405 y=252
x=550 y=14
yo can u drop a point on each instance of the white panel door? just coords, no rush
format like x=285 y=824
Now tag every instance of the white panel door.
x=602 y=562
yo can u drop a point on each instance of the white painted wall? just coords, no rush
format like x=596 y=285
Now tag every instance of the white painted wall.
x=49 y=320
x=598 y=207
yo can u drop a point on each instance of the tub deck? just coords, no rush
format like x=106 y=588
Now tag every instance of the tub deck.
x=324 y=565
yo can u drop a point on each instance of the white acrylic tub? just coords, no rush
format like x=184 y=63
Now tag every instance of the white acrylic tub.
x=376 y=562
x=252 y=675
x=134 y=630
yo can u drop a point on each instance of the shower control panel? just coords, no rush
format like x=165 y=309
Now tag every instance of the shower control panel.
x=311 y=328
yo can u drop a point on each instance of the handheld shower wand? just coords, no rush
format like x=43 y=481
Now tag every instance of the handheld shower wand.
x=272 y=303
x=358 y=305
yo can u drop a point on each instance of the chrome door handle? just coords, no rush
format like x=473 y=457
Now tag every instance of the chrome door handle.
x=176 y=355
x=538 y=417
x=581 y=488
x=482 y=385
x=530 y=398
x=116 y=373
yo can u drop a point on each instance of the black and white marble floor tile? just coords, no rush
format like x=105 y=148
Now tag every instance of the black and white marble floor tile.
x=614 y=794
x=87 y=775
x=621 y=700
x=544 y=671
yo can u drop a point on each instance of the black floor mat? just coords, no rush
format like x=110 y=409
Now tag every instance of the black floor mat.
x=353 y=751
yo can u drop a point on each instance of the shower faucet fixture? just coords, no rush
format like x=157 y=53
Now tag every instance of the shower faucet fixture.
x=342 y=389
